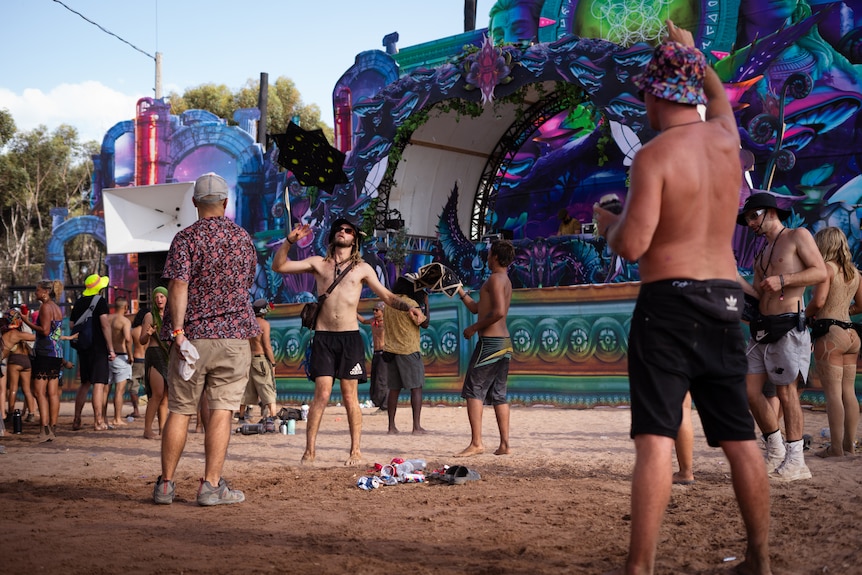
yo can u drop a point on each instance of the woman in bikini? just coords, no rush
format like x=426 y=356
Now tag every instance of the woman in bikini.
x=19 y=369
x=836 y=343
x=48 y=360
x=11 y=337
x=155 y=363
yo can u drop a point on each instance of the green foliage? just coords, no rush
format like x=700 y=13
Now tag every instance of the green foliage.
x=39 y=170
x=399 y=243
x=7 y=126
x=283 y=103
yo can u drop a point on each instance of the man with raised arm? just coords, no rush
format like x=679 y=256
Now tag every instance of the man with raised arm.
x=337 y=350
x=678 y=222
x=487 y=374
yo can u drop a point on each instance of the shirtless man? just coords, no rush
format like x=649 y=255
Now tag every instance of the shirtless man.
x=261 y=379
x=678 y=222
x=780 y=347
x=138 y=361
x=379 y=391
x=485 y=382
x=337 y=350
x=121 y=366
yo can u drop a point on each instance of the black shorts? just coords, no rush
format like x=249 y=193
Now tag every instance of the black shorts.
x=686 y=336
x=94 y=366
x=488 y=371
x=338 y=354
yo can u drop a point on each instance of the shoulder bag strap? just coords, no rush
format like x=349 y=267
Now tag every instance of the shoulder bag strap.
x=89 y=312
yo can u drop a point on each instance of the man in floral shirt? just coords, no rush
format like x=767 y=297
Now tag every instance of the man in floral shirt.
x=211 y=267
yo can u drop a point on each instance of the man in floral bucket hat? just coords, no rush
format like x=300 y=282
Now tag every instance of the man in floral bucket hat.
x=678 y=222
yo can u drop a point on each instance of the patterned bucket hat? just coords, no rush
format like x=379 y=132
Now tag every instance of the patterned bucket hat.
x=675 y=73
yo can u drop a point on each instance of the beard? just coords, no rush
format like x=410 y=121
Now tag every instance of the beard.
x=342 y=242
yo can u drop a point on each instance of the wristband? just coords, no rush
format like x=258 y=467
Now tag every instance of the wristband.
x=177 y=332
x=463 y=296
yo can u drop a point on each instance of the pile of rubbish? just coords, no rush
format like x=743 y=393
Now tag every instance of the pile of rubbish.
x=413 y=471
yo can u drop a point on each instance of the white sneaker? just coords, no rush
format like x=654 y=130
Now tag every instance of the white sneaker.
x=791 y=471
x=793 y=468
x=776 y=452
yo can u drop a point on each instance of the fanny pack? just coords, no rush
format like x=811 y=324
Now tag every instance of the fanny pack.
x=820 y=327
x=771 y=328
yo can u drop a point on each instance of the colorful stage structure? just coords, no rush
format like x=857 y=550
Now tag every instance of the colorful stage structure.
x=488 y=134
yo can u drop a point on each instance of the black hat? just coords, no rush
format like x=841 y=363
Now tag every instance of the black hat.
x=261 y=306
x=340 y=222
x=758 y=201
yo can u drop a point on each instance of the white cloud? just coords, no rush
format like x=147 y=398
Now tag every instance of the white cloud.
x=90 y=107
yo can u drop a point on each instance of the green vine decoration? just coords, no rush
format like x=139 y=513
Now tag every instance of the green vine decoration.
x=369 y=217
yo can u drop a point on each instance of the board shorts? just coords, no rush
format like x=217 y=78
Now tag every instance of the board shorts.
x=488 y=371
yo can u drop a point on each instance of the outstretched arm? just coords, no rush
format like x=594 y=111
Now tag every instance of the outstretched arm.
x=281 y=261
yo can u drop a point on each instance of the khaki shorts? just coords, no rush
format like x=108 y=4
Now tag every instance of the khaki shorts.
x=261 y=385
x=222 y=371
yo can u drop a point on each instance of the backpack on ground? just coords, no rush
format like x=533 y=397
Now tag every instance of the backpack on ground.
x=84 y=328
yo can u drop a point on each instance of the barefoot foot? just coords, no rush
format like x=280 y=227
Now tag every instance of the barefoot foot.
x=393 y=431
x=471 y=451
x=681 y=479
x=502 y=450
x=307 y=458
x=354 y=459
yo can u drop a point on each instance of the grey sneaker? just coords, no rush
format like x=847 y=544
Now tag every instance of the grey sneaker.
x=221 y=495
x=163 y=492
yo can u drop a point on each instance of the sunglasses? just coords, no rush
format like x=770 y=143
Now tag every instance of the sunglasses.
x=346 y=230
x=750 y=217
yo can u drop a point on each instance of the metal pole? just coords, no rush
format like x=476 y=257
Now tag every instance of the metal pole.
x=158 y=75
x=262 y=104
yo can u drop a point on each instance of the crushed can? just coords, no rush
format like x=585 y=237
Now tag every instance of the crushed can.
x=368 y=483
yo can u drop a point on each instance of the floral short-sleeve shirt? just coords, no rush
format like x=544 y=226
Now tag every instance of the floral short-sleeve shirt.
x=216 y=258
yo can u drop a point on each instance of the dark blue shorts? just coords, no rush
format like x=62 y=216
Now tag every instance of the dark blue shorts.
x=686 y=336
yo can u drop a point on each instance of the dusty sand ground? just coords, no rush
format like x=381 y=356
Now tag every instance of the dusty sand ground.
x=558 y=504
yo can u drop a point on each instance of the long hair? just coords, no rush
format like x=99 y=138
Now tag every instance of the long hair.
x=355 y=256
x=832 y=244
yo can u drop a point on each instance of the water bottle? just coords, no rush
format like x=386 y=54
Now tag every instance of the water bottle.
x=304 y=410
x=17 y=423
x=251 y=428
x=418 y=464
x=282 y=428
x=291 y=427
x=402 y=469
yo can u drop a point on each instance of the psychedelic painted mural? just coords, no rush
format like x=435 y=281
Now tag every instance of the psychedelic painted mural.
x=491 y=133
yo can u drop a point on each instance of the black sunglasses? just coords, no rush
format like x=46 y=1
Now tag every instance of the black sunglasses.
x=346 y=230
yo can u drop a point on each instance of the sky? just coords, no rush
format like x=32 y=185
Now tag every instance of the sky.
x=58 y=68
